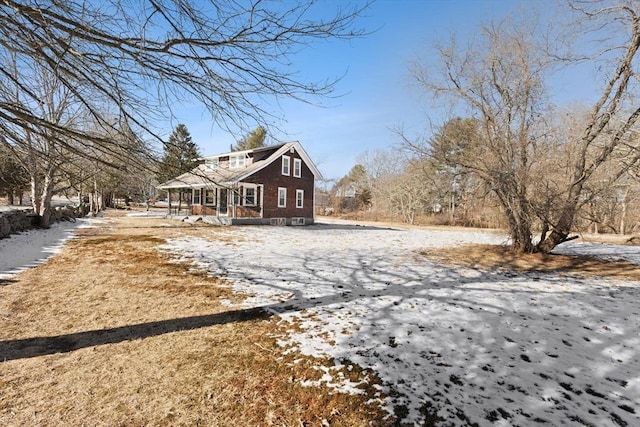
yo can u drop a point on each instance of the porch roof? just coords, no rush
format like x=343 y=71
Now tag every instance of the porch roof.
x=201 y=177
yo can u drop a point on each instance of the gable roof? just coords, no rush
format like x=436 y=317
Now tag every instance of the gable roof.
x=201 y=176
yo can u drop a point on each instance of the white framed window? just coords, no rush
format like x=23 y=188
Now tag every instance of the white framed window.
x=249 y=195
x=299 y=198
x=237 y=161
x=196 y=197
x=286 y=165
x=211 y=164
x=210 y=197
x=282 y=197
x=297 y=168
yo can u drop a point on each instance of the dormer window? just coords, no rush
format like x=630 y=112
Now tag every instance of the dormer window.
x=237 y=161
x=211 y=164
x=286 y=165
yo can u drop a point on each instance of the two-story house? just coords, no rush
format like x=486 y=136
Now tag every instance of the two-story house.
x=267 y=185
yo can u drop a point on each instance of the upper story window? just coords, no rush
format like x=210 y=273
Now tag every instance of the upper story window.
x=297 y=168
x=211 y=164
x=286 y=165
x=237 y=161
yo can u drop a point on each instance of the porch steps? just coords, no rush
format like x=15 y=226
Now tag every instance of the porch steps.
x=192 y=219
x=215 y=220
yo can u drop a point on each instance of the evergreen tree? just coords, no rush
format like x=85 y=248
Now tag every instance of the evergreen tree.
x=14 y=180
x=253 y=140
x=180 y=154
x=355 y=187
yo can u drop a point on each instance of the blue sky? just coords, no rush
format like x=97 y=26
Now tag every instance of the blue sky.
x=378 y=94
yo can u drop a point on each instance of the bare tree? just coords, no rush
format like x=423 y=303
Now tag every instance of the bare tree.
x=126 y=64
x=500 y=80
x=136 y=59
x=607 y=134
x=409 y=194
x=40 y=153
x=382 y=171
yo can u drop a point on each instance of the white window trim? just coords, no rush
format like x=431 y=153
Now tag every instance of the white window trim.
x=284 y=192
x=197 y=191
x=286 y=165
x=244 y=194
x=204 y=198
x=237 y=161
x=299 y=199
x=297 y=168
x=211 y=164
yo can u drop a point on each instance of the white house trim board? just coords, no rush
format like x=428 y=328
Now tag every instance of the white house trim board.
x=281 y=151
x=261 y=187
x=245 y=200
x=203 y=176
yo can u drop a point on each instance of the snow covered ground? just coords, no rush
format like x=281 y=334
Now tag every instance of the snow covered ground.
x=30 y=248
x=467 y=346
x=463 y=345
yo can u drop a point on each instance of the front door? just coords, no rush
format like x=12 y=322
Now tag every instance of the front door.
x=223 y=201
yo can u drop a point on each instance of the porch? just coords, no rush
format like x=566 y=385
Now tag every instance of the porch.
x=240 y=201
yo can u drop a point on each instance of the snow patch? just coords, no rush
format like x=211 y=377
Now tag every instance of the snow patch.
x=459 y=344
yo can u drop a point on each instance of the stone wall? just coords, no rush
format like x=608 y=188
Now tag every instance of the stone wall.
x=17 y=220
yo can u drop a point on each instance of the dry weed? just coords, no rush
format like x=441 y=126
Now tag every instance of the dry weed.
x=503 y=258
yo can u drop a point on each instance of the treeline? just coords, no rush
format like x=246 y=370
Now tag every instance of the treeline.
x=518 y=146
x=86 y=87
x=438 y=182
x=129 y=171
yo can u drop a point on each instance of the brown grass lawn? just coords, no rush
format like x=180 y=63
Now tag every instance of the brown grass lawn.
x=502 y=258
x=111 y=333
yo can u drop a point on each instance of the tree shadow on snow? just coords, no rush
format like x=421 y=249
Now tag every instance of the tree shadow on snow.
x=351 y=226
x=480 y=347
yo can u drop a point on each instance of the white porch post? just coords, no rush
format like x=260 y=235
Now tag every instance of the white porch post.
x=261 y=187
x=235 y=189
